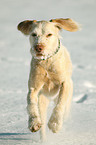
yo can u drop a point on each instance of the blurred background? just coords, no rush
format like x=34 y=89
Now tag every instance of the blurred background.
x=15 y=65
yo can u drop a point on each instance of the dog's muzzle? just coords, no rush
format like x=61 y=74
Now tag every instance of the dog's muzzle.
x=39 y=48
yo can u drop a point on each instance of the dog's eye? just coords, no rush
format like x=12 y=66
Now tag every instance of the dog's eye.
x=49 y=35
x=34 y=34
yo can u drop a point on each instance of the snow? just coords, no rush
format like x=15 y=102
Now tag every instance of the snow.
x=80 y=128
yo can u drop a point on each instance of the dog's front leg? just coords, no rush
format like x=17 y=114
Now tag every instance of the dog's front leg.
x=62 y=107
x=34 y=123
x=36 y=82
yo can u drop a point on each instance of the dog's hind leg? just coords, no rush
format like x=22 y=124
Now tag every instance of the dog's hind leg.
x=43 y=105
x=62 y=107
x=69 y=100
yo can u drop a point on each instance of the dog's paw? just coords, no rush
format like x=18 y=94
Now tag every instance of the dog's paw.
x=34 y=124
x=55 y=123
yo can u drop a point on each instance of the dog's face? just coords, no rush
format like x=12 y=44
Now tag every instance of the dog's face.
x=43 y=39
x=44 y=35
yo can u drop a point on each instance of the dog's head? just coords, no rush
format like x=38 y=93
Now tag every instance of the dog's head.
x=44 y=35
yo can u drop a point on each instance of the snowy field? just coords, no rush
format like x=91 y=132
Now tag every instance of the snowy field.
x=80 y=128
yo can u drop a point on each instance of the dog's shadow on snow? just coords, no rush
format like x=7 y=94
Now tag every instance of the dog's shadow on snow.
x=14 y=136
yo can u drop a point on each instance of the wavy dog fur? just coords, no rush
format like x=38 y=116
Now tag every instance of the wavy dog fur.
x=50 y=73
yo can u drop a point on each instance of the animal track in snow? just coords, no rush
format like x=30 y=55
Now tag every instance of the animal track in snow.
x=75 y=66
x=81 y=98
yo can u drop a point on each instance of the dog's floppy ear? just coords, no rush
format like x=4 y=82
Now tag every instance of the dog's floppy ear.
x=25 y=26
x=67 y=24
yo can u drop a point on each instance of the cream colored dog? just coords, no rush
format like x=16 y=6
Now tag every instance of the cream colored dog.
x=50 y=74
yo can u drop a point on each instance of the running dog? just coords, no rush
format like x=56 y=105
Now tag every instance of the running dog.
x=50 y=73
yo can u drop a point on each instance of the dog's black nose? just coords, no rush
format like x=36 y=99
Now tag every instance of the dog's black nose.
x=39 y=47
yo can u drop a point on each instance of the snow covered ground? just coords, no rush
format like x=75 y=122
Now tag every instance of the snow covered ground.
x=80 y=128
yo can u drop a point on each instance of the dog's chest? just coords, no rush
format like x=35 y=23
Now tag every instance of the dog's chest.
x=53 y=75
x=52 y=84
x=54 y=72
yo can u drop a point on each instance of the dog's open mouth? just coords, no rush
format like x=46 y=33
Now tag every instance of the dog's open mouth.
x=40 y=56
